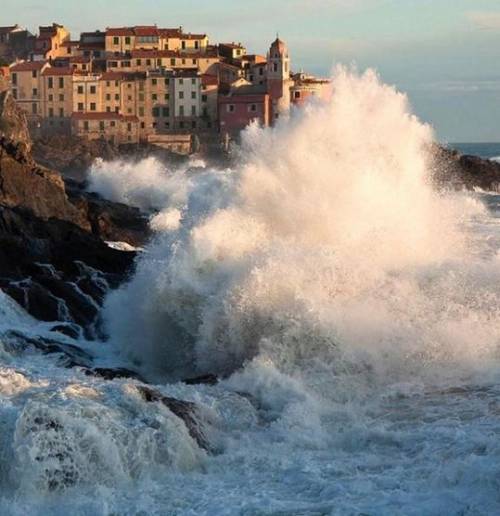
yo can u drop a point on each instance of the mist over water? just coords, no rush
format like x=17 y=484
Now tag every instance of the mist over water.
x=351 y=310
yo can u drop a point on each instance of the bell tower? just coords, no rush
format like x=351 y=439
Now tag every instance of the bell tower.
x=278 y=78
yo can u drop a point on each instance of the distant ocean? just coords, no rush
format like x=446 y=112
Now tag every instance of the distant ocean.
x=485 y=150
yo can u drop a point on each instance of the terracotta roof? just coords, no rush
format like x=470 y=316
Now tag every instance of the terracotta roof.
x=278 y=45
x=120 y=31
x=57 y=70
x=193 y=36
x=209 y=80
x=170 y=33
x=146 y=31
x=28 y=66
x=112 y=76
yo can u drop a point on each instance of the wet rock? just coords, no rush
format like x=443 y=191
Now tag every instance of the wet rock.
x=187 y=411
x=110 y=373
x=207 y=379
x=70 y=330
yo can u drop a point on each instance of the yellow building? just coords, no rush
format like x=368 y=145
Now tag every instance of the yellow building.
x=109 y=126
x=57 y=95
x=26 y=87
x=49 y=43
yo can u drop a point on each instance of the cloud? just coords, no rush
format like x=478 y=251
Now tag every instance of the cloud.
x=485 y=20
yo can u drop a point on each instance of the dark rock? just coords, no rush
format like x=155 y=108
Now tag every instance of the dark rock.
x=70 y=330
x=187 y=411
x=110 y=373
x=207 y=379
x=457 y=171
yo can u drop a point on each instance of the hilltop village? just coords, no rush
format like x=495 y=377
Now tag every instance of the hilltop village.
x=163 y=86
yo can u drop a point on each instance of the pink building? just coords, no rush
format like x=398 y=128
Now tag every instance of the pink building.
x=242 y=106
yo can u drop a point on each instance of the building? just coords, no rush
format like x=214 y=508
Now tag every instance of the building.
x=232 y=51
x=242 y=106
x=57 y=99
x=306 y=86
x=187 y=99
x=278 y=78
x=110 y=126
x=49 y=43
x=26 y=84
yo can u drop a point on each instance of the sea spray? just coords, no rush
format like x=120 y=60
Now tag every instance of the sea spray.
x=325 y=253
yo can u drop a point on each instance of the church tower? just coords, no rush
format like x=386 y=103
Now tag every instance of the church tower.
x=278 y=78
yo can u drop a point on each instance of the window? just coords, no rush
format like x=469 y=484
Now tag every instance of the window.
x=230 y=108
x=181 y=94
x=125 y=64
x=51 y=97
x=108 y=84
x=84 y=66
x=80 y=90
x=117 y=96
x=35 y=92
x=117 y=84
x=148 y=62
x=92 y=106
x=252 y=107
x=113 y=64
x=129 y=98
x=296 y=94
x=92 y=90
x=193 y=94
x=33 y=74
x=14 y=79
x=129 y=127
x=108 y=109
x=261 y=71
x=183 y=61
x=193 y=124
x=158 y=62
x=112 y=123
x=167 y=96
x=181 y=110
x=156 y=112
x=141 y=111
x=154 y=96
x=51 y=112
x=101 y=125
x=193 y=110
x=138 y=62
x=167 y=124
x=193 y=61
x=196 y=45
x=166 y=111
x=80 y=106
x=172 y=61
x=61 y=112
x=193 y=82
x=108 y=96
x=167 y=81
x=61 y=97
x=34 y=108
x=183 y=45
x=275 y=67
x=61 y=82
x=154 y=82
x=86 y=125
x=14 y=93
x=51 y=82
x=117 y=109
x=181 y=125
x=141 y=97
x=116 y=41
x=127 y=40
x=181 y=81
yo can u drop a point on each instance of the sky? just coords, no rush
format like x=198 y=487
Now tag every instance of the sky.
x=445 y=54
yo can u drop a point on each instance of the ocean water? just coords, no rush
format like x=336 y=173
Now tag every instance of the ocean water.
x=484 y=150
x=352 y=313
